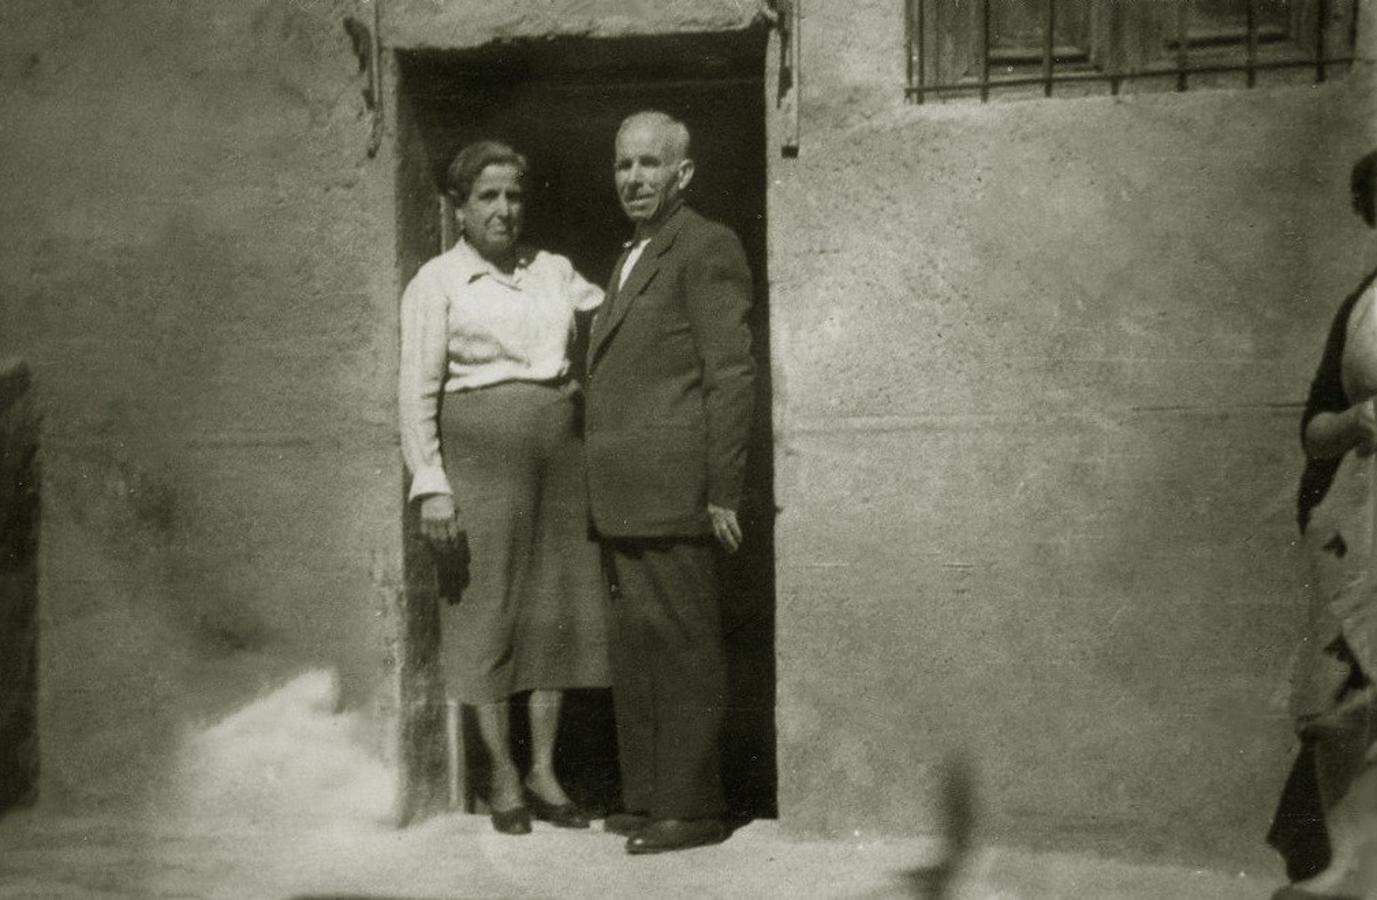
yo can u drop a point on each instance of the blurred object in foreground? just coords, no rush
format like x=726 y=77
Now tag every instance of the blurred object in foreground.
x=289 y=755
x=957 y=810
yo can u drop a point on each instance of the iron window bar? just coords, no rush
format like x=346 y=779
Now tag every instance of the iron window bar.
x=1183 y=42
x=1251 y=58
x=985 y=50
x=1319 y=37
x=913 y=28
x=1049 y=38
x=918 y=89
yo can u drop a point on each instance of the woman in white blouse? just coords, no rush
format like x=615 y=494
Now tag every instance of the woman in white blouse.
x=489 y=433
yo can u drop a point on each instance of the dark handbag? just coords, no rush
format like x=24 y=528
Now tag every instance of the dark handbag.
x=451 y=569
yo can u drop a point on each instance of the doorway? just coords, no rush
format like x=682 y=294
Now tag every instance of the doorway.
x=559 y=101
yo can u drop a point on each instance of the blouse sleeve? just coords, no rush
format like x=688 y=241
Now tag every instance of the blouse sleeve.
x=423 y=366
x=582 y=294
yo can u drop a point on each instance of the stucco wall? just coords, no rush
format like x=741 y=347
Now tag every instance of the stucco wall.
x=198 y=266
x=1038 y=374
x=202 y=268
x=1037 y=367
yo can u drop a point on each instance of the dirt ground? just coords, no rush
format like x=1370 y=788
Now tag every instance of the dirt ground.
x=461 y=857
x=279 y=801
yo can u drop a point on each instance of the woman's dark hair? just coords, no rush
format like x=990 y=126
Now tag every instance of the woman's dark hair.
x=1362 y=186
x=470 y=162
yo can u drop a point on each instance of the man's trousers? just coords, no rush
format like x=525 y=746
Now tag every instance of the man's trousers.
x=669 y=677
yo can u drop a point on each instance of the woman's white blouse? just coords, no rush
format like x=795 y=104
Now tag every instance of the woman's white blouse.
x=467 y=324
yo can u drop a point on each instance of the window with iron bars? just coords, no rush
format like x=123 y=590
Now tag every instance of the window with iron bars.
x=996 y=48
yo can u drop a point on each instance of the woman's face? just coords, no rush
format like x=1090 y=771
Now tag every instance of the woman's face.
x=493 y=214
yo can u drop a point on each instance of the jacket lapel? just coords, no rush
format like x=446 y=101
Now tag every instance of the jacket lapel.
x=598 y=331
x=619 y=300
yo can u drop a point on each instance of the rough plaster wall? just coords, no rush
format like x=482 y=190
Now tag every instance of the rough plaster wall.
x=1038 y=374
x=198 y=266
x=1036 y=427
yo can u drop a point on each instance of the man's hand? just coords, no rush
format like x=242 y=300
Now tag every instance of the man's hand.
x=439 y=519
x=725 y=527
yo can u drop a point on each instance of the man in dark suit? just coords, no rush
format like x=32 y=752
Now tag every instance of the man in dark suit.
x=669 y=397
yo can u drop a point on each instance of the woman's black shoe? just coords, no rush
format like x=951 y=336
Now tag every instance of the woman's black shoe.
x=561 y=815
x=512 y=821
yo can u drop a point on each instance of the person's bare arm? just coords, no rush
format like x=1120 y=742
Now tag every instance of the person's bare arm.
x=1332 y=434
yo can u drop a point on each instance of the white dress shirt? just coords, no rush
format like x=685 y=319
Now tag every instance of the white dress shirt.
x=632 y=255
x=467 y=324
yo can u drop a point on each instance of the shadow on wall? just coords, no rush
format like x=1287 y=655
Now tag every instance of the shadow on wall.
x=18 y=588
x=957 y=806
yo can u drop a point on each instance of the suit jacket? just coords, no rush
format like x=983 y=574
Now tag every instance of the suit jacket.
x=670 y=384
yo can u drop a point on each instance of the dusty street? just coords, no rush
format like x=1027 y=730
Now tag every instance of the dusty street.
x=278 y=800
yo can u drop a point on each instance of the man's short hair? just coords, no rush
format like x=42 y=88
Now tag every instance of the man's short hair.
x=676 y=132
x=470 y=162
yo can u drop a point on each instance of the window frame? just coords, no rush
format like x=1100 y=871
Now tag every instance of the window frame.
x=1124 y=41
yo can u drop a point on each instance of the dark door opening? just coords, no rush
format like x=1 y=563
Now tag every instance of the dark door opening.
x=559 y=102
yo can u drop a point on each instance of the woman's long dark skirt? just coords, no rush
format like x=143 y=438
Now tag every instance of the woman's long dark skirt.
x=533 y=614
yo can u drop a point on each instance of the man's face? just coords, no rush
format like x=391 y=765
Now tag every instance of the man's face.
x=649 y=174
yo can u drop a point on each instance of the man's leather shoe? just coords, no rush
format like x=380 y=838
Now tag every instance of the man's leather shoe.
x=665 y=835
x=625 y=824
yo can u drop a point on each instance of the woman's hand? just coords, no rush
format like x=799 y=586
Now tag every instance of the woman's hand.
x=439 y=519
x=1332 y=434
